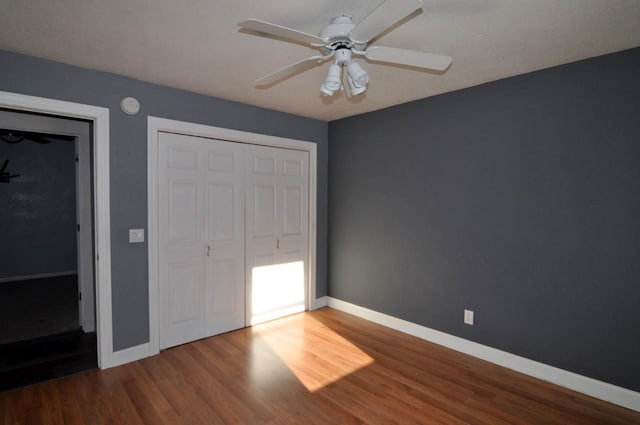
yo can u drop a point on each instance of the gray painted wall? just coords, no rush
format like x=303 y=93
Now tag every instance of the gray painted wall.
x=38 y=209
x=519 y=199
x=128 y=134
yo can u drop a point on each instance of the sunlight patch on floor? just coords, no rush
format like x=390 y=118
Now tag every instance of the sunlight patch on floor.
x=313 y=352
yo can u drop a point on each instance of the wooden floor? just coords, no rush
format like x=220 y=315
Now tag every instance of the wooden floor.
x=324 y=367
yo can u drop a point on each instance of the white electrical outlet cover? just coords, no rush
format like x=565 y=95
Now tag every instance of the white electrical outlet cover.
x=468 y=317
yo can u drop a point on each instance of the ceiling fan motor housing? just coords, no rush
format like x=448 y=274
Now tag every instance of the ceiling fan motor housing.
x=340 y=26
x=336 y=35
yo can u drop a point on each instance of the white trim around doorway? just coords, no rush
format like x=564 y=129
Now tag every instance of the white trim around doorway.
x=99 y=116
x=156 y=125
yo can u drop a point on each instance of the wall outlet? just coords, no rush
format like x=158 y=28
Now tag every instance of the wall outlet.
x=468 y=317
x=136 y=235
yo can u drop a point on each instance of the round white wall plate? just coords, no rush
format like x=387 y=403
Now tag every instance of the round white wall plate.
x=130 y=105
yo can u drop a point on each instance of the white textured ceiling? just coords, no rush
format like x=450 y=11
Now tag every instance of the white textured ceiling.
x=196 y=45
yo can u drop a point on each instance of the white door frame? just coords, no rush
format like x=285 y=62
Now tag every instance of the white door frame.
x=84 y=235
x=102 y=241
x=80 y=131
x=156 y=125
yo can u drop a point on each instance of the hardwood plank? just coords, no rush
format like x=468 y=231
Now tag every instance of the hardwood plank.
x=71 y=411
x=184 y=401
x=23 y=406
x=323 y=367
x=91 y=393
x=51 y=405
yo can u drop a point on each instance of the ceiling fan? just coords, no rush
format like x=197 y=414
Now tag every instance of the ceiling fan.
x=342 y=39
x=5 y=176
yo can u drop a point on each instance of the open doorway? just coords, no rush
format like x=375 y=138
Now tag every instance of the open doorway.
x=47 y=296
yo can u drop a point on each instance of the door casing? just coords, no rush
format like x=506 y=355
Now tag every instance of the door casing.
x=156 y=125
x=99 y=116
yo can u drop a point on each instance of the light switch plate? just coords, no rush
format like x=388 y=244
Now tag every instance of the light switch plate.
x=136 y=235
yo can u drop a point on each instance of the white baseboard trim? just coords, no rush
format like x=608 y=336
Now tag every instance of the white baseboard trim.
x=589 y=386
x=129 y=355
x=319 y=303
x=37 y=276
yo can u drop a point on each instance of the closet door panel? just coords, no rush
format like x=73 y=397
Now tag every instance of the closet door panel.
x=201 y=238
x=182 y=270
x=225 y=237
x=277 y=232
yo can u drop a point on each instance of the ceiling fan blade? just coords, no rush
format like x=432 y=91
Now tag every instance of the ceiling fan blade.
x=292 y=69
x=393 y=55
x=280 y=31
x=383 y=17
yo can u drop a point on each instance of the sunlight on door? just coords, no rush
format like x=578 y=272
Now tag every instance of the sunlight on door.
x=277 y=290
x=314 y=353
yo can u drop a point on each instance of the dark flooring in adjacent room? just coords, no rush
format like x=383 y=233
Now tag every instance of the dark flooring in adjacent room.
x=40 y=336
x=38 y=307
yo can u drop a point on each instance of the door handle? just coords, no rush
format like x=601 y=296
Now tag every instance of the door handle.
x=278 y=243
x=208 y=250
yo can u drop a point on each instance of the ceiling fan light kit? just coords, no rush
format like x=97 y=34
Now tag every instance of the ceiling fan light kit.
x=342 y=39
x=357 y=77
x=333 y=81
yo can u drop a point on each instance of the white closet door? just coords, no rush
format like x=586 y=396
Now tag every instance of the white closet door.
x=181 y=200
x=201 y=238
x=277 y=205
x=225 y=238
